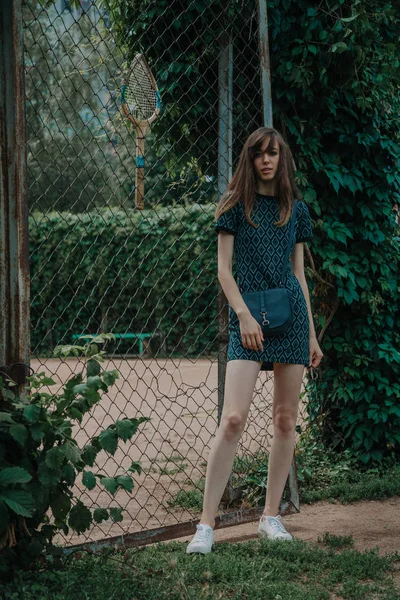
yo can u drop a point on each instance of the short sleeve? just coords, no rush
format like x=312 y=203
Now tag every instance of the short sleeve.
x=304 y=230
x=228 y=221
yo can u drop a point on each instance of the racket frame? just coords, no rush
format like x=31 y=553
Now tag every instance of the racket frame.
x=141 y=126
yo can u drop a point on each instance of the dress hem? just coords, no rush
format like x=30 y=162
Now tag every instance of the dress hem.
x=267 y=365
x=218 y=229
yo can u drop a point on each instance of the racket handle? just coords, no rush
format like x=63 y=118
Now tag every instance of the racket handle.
x=139 y=184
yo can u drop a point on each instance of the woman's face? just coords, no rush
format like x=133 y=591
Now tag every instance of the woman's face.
x=266 y=160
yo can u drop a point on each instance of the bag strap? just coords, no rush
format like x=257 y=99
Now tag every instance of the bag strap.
x=293 y=221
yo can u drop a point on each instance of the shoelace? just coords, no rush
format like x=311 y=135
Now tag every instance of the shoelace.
x=202 y=533
x=276 y=524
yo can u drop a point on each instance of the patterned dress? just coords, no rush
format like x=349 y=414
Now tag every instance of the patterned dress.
x=258 y=257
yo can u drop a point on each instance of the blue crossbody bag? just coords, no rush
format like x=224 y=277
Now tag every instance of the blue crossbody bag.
x=272 y=308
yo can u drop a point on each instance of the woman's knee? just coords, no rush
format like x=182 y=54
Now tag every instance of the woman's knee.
x=285 y=421
x=233 y=424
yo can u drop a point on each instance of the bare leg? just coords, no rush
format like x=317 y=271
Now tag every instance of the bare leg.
x=287 y=386
x=241 y=376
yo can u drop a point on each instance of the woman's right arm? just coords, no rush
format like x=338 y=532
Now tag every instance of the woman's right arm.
x=250 y=330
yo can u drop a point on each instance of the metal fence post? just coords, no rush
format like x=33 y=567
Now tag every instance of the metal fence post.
x=225 y=85
x=14 y=255
x=225 y=73
x=264 y=63
x=268 y=122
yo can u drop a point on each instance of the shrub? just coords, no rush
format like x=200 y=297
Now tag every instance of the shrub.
x=40 y=459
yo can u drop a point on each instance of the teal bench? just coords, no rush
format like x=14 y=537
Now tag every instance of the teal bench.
x=140 y=337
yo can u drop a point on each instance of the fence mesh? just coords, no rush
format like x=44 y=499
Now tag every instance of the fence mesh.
x=97 y=264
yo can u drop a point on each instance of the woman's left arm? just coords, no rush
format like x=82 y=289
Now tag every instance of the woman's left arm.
x=297 y=262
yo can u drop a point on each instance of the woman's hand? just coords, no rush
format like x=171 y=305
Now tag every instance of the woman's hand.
x=251 y=332
x=315 y=353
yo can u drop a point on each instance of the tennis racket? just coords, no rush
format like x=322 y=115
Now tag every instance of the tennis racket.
x=141 y=103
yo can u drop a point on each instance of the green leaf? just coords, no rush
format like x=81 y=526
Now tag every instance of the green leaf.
x=88 y=480
x=6 y=417
x=365 y=457
x=55 y=457
x=48 y=476
x=19 y=502
x=125 y=429
x=135 y=467
x=80 y=518
x=342 y=46
x=108 y=440
x=68 y=474
x=14 y=475
x=61 y=506
x=79 y=389
x=110 y=377
x=74 y=413
x=37 y=432
x=116 y=514
x=9 y=395
x=94 y=382
x=89 y=454
x=349 y=19
x=32 y=413
x=125 y=482
x=72 y=452
x=110 y=484
x=100 y=515
x=92 y=368
x=19 y=432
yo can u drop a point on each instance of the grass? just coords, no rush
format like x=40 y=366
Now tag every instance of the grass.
x=330 y=569
x=177 y=459
x=328 y=483
x=254 y=570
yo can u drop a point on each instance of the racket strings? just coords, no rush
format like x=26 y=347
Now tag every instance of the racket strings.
x=140 y=95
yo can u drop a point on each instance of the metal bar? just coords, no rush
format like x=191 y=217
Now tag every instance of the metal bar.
x=225 y=86
x=170 y=532
x=265 y=63
x=14 y=250
x=266 y=94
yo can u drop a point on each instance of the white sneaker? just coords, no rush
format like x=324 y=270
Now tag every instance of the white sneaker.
x=202 y=541
x=272 y=528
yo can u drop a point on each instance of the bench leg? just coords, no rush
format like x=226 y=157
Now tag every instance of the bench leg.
x=147 y=349
x=140 y=347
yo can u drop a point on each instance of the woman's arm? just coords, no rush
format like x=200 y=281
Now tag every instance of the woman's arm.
x=297 y=261
x=250 y=330
x=225 y=277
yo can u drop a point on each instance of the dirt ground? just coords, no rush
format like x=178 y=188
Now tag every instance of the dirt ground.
x=180 y=396
x=370 y=523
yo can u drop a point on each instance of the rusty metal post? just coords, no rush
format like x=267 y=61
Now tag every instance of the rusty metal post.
x=14 y=251
x=293 y=504
x=225 y=71
x=264 y=62
x=225 y=85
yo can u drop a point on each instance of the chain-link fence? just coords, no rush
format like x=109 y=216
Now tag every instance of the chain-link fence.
x=99 y=265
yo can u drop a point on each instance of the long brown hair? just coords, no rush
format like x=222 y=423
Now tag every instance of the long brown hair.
x=243 y=183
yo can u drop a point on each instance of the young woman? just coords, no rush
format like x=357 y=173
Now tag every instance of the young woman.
x=253 y=223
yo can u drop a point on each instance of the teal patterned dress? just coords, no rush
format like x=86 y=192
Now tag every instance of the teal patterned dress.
x=258 y=258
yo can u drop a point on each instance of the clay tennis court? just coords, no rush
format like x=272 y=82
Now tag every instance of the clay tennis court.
x=180 y=396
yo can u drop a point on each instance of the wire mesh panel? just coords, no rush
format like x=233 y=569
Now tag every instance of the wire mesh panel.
x=149 y=276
